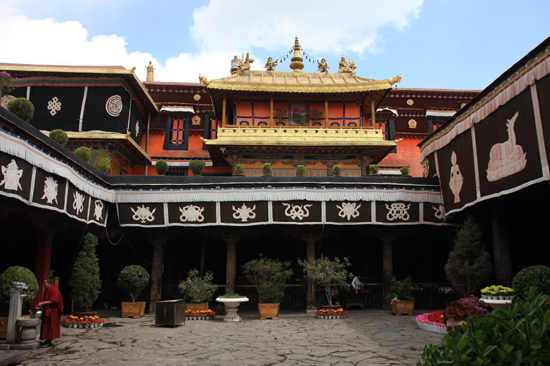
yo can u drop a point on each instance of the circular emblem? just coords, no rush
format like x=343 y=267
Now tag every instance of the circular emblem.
x=197 y=97
x=412 y=123
x=410 y=102
x=114 y=105
x=5 y=100
x=196 y=120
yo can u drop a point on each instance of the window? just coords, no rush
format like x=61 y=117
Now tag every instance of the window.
x=177 y=132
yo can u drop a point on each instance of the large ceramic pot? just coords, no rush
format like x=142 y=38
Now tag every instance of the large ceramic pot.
x=268 y=311
x=133 y=309
x=400 y=307
x=232 y=307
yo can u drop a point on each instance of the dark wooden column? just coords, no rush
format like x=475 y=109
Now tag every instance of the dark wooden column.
x=231 y=264
x=311 y=294
x=46 y=233
x=156 y=271
x=501 y=250
x=387 y=268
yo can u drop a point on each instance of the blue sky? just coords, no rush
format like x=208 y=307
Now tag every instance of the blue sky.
x=441 y=44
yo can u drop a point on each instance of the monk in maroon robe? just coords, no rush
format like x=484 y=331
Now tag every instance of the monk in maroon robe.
x=52 y=308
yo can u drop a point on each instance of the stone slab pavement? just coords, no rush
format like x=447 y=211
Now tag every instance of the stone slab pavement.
x=365 y=337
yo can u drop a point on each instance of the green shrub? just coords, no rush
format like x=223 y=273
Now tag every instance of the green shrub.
x=133 y=280
x=336 y=170
x=538 y=276
x=300 y=170
x=402 y=289
x=161 y=167
x=239 y=170
x=266 y=169
x=83 y=153
x=373 y=169
x=269 y=277
x=198 y=289
x=18 y=274
x=100 y=159
x=518 y=334
x=59 y=136
x=197 y=166
x=85 y=283
x=22 y=108
x=330 y=274
x=404 y=170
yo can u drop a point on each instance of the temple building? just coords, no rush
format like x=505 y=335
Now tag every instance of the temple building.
x=387 y=224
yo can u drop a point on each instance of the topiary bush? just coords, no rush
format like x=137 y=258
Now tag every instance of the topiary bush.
x=133 y=280
x=197 y=166
x=161 y=167
x=85 y=283
x=198 y=289
x=239 y=170
x=518 y=334
x=337 y=170
x=266 y=169
x=83 y=153
x=373 y=169
x=404 y=170
x=300 y=170
x=100 y=159
x=59 y=136
x=538 y=276
x=18 y=274
x=22 y=108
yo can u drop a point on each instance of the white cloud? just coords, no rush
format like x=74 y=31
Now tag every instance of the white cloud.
x=221 y=29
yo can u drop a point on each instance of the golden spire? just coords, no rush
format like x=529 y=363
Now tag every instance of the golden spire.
x=297 y=65
x=150 y=72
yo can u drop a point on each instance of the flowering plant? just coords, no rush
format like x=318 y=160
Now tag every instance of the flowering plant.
x=331 y=312
x=300 y=116
x=199 y=313
x=446 y=290
x=6 y=83
x=497 y=290
x=281 y=114
x=435 y=318
x=86 y=321
x=481 y=307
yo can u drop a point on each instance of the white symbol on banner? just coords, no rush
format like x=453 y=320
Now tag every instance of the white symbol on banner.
x=54 y=106
x=506 y=158
x=349 y=210
x=143 y=214
x=191 y=213
x=296 y=211
x=98 y=210
x=137 y=128
x=398 y=211
x=114 y=106
x=244 y=213
x=426 y=168
x=456 y=180
x=50 y=190
x=5 y=100
x=78 y=202
x=439 y=212
x=12 y=175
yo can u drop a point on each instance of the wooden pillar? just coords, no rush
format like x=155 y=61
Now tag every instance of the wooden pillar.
x=373 y=113
x=387 y=268
x=271 y=112
x=231 y=265
x=42 y=266
x=156 y=272
x=501 y=250
x=326 y=113
x=311 y=294
x=224 y=111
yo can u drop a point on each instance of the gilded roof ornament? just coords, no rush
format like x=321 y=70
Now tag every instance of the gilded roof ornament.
x=270 y=64
x=344 y=66
x=297 y=65
x=244 y=63
x=395 y=79
x=204 y=80
x=322 y=66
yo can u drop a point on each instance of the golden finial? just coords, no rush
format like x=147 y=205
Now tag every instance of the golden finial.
x=150 y=72
x=297 y=65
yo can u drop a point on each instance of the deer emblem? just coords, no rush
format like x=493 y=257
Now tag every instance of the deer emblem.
x=506 y=158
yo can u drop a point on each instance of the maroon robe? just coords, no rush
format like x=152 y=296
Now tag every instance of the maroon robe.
x=51 y=319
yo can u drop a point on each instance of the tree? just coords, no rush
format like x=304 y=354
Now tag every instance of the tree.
x=469 y=264
x=85 y=283
x=330 y=274
x=269 y=277
x=133 y=280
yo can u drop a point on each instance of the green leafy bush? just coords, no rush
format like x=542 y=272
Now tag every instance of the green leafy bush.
x=402 y=289
x=518 y=334
x=373 y=169
x=538 y=276
x=18 y=274
x=83 y=153
x=239 y=170
x=59 y=136
x=198 y=289
x=404 y=170
x=269 y=277
x=22 y=108
x=161 y=167
x=336 y=170
x=85 y=283
x=100 y=159
x=266 y=169
x=331 y=274
x=133 y=280
x=197 y=166
x=300 y=170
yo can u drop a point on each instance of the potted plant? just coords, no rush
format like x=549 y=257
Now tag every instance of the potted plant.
x=337 y=170
x=133 y=280
x=266 y=170
x=85 y=283
x=404 y=171
x=315 y=114
x=403 y=300
x=330 y=274
x=373 y=169
x=281 y=114
x=269 y=277
x=59 y=136
x=197 y=166
x=300 y=170
x=161 y=167
x=15 y=274
x=231 y=303
x=239 y=170
x=197 y=290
